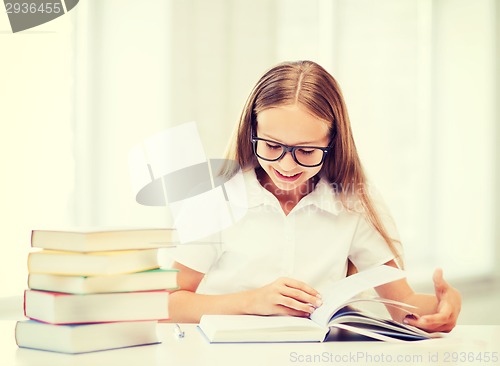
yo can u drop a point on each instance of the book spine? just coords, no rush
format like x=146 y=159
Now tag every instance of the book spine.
x=100 y=321
x=31 y=237
x=16 y=333
x=103 y=306
x=24 y=302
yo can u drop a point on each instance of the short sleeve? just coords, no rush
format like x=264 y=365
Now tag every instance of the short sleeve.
x=368 y=247
x=199 y=256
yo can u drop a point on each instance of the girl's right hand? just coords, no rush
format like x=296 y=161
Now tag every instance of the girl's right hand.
x=284 y=296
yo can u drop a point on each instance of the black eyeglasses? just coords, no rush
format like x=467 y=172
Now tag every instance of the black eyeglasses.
x=307 y=156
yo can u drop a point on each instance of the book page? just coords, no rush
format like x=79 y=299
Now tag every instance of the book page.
x=367 y=333
x=407 y=308
x=349 y=287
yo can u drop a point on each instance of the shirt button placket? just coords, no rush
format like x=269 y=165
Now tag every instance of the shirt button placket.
x=289 y=245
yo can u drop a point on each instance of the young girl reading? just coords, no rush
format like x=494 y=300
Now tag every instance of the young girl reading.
x=309 y=216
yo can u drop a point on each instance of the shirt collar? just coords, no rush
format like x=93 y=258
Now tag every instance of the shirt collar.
x=256 y=194
x=323 y=196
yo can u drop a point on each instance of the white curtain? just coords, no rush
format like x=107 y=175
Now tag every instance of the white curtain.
x=417 y=78
x=417 y=75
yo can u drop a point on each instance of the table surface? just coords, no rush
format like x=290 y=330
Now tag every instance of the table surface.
x=466 y=345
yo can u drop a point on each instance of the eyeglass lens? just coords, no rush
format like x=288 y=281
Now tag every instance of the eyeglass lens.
x=304 y=155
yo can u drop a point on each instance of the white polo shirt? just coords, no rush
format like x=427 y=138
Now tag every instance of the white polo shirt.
x=311 y=244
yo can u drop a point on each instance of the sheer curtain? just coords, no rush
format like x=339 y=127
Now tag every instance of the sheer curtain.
x=417 y=75
x=417 y=78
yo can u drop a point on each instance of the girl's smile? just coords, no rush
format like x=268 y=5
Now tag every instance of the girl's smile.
x=287 y=177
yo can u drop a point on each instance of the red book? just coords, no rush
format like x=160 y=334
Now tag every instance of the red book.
x=61 y=308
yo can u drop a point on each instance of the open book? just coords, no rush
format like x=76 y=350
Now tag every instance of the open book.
x=336 y=319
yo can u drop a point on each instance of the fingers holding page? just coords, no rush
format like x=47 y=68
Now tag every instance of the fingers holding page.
x=293 y=295
x=301 y=292
x=284 y=296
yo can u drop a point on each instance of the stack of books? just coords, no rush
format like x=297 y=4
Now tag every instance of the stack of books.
x=95 y=290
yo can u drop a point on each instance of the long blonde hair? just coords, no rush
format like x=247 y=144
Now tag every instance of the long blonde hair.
x=310 y=85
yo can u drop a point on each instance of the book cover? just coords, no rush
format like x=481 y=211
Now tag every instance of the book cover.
x=84 y=338
x=155 y=279
x=60 y=308
x=92 y=263
x=96 y=240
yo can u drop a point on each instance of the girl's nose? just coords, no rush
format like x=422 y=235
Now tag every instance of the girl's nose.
x=287 y=163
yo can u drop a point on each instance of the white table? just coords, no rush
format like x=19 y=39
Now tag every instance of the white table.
x=464 y=342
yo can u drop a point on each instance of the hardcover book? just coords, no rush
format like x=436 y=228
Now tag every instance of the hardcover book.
x=60 y=308
x=155 y=279
x=97 y=240
x=81 y=338
x=92 y=263
x=336 y=319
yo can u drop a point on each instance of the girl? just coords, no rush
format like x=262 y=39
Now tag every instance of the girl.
x=309 y=214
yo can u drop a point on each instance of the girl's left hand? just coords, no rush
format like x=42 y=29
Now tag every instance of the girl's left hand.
x=448 y=308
